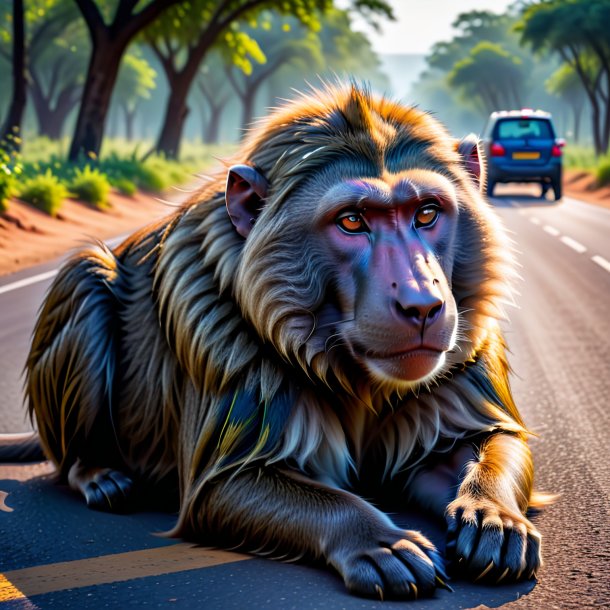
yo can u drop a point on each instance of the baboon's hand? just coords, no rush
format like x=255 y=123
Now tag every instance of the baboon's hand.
x=488 y=543
x=389 y=563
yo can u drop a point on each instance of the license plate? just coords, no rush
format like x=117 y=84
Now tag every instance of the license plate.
x=526 y=155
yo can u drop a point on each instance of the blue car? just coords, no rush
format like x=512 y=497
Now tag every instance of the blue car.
x=521 y=146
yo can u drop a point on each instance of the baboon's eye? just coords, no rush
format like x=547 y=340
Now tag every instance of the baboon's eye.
x=427 y=214
x=352 y=222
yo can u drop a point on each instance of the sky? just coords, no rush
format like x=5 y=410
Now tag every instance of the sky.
x=421 y=23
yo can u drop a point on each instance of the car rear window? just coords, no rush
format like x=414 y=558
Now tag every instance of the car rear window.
x=521 y=129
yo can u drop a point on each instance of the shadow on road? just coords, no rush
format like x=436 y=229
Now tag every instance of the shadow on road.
x=50 y=524
x=508 y=201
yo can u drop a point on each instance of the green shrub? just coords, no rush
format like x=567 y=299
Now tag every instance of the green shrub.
x=6 y=189
x=44 y=192
x=91 y=186
x=125 y=187
x=603 y=174
x=10 y=168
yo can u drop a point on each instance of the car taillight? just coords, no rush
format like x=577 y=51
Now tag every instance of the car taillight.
x=556 y=150
x=497 y=150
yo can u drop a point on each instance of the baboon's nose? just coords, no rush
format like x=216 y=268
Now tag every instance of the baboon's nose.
x=419 y=308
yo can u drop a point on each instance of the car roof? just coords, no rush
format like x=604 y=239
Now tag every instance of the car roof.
x=524 y=113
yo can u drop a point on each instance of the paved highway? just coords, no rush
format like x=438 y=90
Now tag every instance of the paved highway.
x=54 y=553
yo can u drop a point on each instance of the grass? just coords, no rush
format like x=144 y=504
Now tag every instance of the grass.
x=583 y=159
x=91 y=186
x=10 y=170
x=44 y=191
x=44 y=169
x=603 y=173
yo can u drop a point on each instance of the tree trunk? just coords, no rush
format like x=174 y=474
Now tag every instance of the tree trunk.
x=176 y=112
x=130 y=115
x=596 y=126
x=212 y=130
x=51 y=121
x=55 y=126
x=248 y=100
x=577 y=113
x=247 y=111
x=605 y=138
x=101 y=77
x=11 y=131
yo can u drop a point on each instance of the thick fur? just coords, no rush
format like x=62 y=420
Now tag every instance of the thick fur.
x=191 y=354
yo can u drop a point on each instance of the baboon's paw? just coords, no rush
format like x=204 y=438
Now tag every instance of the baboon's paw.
x=488 y=544
x=109 y=491
x=103 y=488
x=402 y=564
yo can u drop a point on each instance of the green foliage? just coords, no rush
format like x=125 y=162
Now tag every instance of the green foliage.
x=135 y=81
x=45 y=168
x=577 y=30
x=44 y=192
x=91 y=186
x=477 y=74
x=10 y=169
x=603 y=173
x=125 y=187
x=584 y=158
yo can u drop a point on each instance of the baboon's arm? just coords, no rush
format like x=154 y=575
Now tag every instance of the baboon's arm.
x=486 y=492
x=278 y=513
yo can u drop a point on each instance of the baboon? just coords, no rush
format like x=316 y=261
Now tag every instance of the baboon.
x=319 y=323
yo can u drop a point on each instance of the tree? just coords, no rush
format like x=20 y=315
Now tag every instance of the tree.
x=283 y=44
x=109 y=42
x=523 y=82
x=50 y=74
x=182 y=41
x=566 y=84
x=490 y=73
x=58 y=57
x=215 y=92
x=11 y=130
x=135 y=82
x=578 y=31
x=342 y=51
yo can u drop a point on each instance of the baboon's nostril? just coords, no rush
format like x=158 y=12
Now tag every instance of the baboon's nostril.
x=434 y=313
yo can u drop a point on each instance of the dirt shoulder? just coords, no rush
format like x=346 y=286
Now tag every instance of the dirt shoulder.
x=29 y=237
x=581 y=185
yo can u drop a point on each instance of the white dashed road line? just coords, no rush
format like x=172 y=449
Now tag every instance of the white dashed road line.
x=551 y=230
x=601 y=261
x=572 y=243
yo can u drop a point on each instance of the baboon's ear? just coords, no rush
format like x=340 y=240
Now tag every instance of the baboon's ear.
x=246 y=189
x=472 y=160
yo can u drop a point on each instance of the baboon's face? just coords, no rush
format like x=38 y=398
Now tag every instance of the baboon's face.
x=390 y=240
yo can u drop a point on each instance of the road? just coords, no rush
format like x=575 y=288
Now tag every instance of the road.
x=559 y=337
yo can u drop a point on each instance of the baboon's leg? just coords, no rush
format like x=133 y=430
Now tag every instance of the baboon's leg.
x=278 y=513
x=484 y=492
x=71 y=376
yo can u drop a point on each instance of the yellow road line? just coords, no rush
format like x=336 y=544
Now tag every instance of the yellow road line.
x=8 y=591
x=18 y=584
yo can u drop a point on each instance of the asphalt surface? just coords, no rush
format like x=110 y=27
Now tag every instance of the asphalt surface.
x=55 y=553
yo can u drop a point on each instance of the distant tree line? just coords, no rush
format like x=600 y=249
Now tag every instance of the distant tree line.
x=76 y=56
x=535 y=54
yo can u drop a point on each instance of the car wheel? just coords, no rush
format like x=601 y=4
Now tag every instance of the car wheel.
x=490 y=188
x=557 y=189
